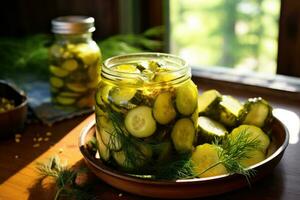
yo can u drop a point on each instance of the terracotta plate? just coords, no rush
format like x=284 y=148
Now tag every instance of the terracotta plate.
x=174 y=189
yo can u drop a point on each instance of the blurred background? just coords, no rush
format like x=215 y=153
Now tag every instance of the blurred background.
x=243 y=35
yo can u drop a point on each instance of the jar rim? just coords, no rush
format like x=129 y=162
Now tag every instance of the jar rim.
x=74 y=24
x=182 y=69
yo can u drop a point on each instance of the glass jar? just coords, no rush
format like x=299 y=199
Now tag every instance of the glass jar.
x=74 y=62
x=146 y=110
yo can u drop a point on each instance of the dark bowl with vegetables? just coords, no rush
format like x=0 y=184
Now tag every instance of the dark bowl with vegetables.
x=183 y=188
x=13 y=109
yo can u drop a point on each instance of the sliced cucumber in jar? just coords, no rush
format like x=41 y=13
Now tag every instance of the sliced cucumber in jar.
x=76 y=87
x=163 y=110
x=139 y=122
x=103 y=149
x=183 y=135
x=108 y=134
x=187 y=98
x=204 y=158
x=56 y=82
x=129 y=68
x=230 y=110
x=121 y=95
x=208 y=102
x=210 y=130
x=65 y=100
x=59 y=72
x=122 y=160
x=70 y=65
x=69 y=94
x=253 y=133
x=258 y=112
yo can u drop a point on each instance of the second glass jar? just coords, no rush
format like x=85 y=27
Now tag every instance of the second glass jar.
x=74 y=62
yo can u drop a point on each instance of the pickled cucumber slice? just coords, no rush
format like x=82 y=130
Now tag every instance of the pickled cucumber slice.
x=258 y=112
x=89 y=54
x=138 y=158
x=122 y=160
x=255 y=133
x=56 y=50
x=187 y=98
x=70 y=65
x=206 y=156
x=230 y=110
x=120 y=95
x=140 y=122
x=254 y=157
x=64 y=100
x=104 y=93
x=163 y=110
x=69 y=94
x=99 y=111
x=108 y=134
x=56 y=82
x=164 y=77
x=126 y=68
x=210 y=130
x=103 y=150
x=183 y=135
x=208 y=102
x=77 y=87
x=58 y=71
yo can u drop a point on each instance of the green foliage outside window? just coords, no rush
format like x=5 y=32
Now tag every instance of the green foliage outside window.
x=241 y=34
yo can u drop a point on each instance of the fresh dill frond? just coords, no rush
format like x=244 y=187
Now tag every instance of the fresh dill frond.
x=178 y=168
x=236 y=149
x=65 y=179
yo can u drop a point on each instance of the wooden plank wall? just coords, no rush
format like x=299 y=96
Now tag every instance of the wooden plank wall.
x=23 y=17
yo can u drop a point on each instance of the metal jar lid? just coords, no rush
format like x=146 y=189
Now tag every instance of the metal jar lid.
x=73 y=24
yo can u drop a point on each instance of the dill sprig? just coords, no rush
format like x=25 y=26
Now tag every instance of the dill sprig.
x=131 y=146
x=65 y=179
x=236 y=149
x=180 y=167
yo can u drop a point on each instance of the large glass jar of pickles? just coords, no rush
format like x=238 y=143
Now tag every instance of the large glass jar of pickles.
x=74 y=62
x=146 y=111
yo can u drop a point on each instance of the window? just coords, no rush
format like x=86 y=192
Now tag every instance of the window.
x=239 y=34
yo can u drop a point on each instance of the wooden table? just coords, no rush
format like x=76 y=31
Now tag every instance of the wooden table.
x=18 y=175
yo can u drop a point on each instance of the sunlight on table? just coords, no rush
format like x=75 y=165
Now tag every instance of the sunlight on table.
x=291 y=120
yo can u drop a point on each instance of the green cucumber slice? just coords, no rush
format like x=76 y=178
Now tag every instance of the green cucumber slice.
x=183 y=135
x=204 y=157
x=163 y=110
x=187 y=98
x=258 y=112
x=103 y=150
x=255 y=133
x=140 y=122
x=230 y=110
x=208 y=102
x=210 y=130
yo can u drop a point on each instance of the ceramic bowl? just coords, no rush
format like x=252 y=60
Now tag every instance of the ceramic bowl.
x=12 y=121
x=186 y=188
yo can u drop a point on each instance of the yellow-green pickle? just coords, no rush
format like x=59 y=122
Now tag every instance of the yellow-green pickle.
x=74 y=62
x=146 y=110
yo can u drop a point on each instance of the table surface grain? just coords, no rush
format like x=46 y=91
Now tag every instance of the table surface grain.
x=19 y=178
